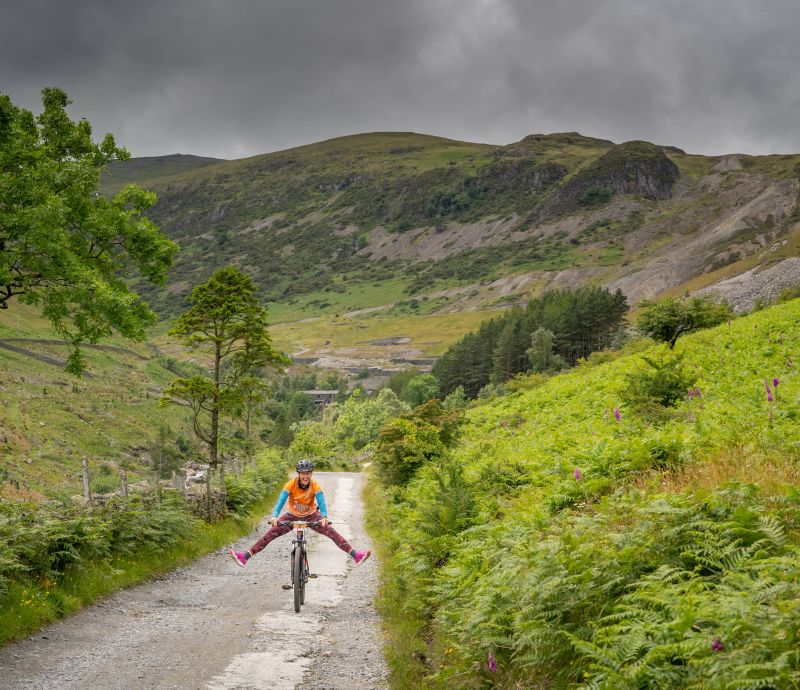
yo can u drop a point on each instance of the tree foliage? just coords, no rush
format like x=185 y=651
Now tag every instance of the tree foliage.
x=63 y=246
x=669 y=319
x=540 y=354
x=226 y=321
x=420 y=389
x=422 y=435
x=581 y=321
x=345 y=427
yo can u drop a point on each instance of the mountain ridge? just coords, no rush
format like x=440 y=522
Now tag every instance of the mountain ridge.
x=438 y=215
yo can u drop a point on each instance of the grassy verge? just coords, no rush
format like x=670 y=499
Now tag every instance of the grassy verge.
x=28 y=604
x=404 y=636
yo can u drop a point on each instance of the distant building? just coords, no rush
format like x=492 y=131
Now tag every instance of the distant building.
x=322 y=397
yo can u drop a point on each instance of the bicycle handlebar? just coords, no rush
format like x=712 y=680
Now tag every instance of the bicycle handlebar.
x=293 y=523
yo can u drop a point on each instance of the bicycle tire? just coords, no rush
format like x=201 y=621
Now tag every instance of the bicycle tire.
x=305 y=579
x=297 y=577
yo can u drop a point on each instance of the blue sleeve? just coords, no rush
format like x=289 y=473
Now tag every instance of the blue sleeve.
x=321 y=503
x=281 y=502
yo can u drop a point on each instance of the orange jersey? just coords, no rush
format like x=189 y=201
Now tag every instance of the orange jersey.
x=301 y=502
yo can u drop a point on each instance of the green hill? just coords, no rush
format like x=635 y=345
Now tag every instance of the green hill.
x=413 y=225
x=50 y=421
x=584 y=539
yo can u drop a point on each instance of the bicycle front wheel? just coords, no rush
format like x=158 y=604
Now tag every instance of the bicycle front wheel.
x=297 y=577
x=305 y=579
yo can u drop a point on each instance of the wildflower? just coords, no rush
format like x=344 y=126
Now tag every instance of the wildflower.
x=690 y=392
x=492 y=663
x=717 y=645
x=697 y=393
x=775 y=382
x=617 y=414
x=769 y=396
x=577 y=474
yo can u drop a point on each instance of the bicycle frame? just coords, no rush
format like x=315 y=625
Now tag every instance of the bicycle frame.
x=299 y=561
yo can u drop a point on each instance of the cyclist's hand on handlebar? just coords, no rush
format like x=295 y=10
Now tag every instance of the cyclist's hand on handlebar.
x=274 y=521
x=324 y=522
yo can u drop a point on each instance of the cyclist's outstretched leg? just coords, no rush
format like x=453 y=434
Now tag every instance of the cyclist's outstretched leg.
x=241 y=557
x=339 y=540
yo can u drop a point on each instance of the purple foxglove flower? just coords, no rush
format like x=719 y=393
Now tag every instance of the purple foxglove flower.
x=766 y=385
x=697 y=393
x=577 y=474
x=492 y=663
x=775 y=382
x=717 y=645
x=691 y=392
x=769 y=397
x=617 y=414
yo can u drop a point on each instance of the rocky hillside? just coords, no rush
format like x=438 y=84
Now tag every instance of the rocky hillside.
x=457 y=226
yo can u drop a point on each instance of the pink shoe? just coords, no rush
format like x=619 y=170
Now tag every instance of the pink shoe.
x=239 y=557
x=362 y=556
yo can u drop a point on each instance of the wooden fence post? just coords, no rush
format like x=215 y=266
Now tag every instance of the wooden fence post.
x=87 y=489
x=123 y=482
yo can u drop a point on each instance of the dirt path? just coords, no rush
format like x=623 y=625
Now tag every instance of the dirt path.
x=215 y=626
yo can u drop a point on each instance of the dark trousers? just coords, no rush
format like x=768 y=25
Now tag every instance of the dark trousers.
x=277 y=531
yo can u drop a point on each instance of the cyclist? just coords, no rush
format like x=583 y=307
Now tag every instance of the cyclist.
x=306 y=503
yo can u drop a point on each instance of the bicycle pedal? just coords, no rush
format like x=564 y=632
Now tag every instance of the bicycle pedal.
x=286 y=586
x=313 y=575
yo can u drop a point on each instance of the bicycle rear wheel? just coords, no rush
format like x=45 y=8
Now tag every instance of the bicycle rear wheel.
x=297 y=577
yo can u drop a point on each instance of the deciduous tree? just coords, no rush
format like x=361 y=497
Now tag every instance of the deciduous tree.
x=63 y=246
x=540 y=354
x=669 y=319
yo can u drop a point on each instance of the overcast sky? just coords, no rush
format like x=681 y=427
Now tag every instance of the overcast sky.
x=232 y=78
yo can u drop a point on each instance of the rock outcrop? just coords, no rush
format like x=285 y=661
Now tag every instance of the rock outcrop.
x=635 y=167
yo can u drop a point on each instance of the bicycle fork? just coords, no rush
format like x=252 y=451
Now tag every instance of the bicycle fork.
x=299 y=551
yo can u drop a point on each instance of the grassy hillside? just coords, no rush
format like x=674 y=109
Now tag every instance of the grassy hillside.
x=430 y=215
x=148 y=170
x=411 y=225
x=581 y=539
x=50 y=421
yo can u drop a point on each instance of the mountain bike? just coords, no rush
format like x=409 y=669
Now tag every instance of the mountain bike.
x=299 y=561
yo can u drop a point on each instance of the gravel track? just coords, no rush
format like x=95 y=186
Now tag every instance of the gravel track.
x=213 y=625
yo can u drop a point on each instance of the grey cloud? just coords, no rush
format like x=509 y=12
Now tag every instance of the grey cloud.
x=240 y=77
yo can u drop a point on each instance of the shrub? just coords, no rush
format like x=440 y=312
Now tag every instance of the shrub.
x=595 y=195
x=414 y=438
x=255 y=482
x=662 y=382
x=43 y=541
